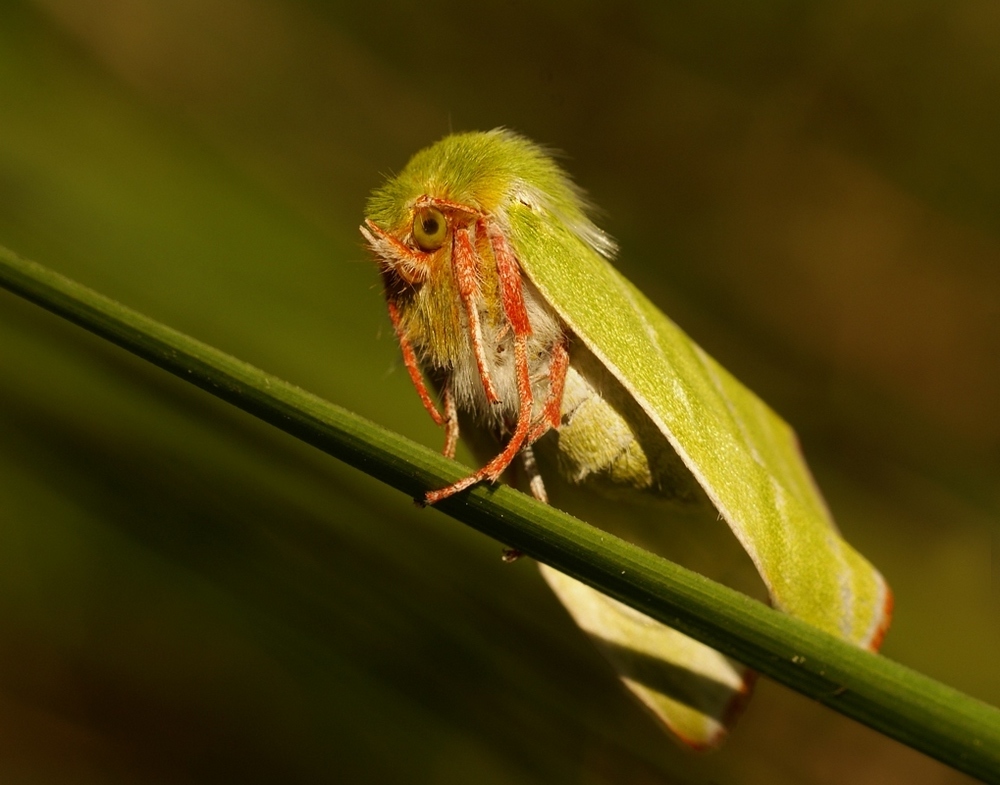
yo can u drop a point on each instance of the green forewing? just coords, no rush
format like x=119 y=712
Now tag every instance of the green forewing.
x=744 y=456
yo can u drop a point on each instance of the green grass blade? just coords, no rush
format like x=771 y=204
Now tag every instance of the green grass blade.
x=904 y=704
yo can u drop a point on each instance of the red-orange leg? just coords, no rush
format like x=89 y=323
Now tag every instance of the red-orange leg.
x=465 y=263
x=551 y=417
x=492 y=470
x=512 y=297
x=413 y=368
x=552 y=413
x=509 y=274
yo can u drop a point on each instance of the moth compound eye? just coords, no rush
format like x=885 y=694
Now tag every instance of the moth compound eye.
x=429 y=228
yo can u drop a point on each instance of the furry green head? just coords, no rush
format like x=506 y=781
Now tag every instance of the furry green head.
x=488 y=171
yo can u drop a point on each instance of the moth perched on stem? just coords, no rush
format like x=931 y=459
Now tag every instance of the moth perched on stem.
x=501 y=293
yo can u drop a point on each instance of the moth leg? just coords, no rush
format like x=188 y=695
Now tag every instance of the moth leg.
x=413 y=368
x=509 y=273
x=512 y=297
x=552 y=413
x=492 y=470
x=465 y=263
x=535 y=483
x=450 y=423
x=537 y=488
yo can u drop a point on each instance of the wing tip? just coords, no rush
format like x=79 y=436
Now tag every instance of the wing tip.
x=886 y=619
x=730 y=714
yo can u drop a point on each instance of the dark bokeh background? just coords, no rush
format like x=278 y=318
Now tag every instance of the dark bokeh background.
x=811 y=190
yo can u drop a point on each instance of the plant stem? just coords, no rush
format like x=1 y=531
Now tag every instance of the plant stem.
x=906 y=705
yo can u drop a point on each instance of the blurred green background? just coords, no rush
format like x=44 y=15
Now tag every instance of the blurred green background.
x=811 y=190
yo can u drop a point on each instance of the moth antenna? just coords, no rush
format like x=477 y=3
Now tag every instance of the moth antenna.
x=411 y=265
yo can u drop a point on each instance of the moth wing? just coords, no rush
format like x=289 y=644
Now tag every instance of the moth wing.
x=696 y=691
x=743 y=455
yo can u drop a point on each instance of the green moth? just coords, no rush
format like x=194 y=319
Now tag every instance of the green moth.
x=502 y=296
